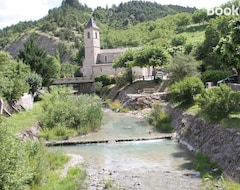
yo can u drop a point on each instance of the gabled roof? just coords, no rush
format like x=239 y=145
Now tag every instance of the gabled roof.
x=91 y=24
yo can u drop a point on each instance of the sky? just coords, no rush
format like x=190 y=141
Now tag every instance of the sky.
x=14 y=11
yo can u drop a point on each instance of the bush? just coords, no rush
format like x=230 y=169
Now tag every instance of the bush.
x=105 y=79
x=183 y=92
x=160 y=119
x=62 y=111
x=213 y=76
x=14 y=170
x=124 y=78
x=219 y=102
x=21 y=163
x=179 y=40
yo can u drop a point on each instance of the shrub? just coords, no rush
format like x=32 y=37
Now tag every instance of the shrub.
x=160 y=119
x=124 y=78
x=105 y=79
x=213 y=76
x=184 y=91
x=179 y=40
x=183 y=66
x=219 y=102
x=62 y=111
x=21 y=164
x=14 y=170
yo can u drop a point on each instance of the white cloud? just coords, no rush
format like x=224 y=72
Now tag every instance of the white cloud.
x=13 y=11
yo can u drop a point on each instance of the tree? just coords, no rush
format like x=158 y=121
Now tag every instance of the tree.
x=12 y=75
x=151 y=56
x=68 y=69
x=184 y=91
x=199 y=16
x=218 y=103
x=35 y=82
x=179 y=40
x=229 y=47
x=32 y=54
x=36 y=57
x=125 y=59
x=50 y=69
x=182 y=66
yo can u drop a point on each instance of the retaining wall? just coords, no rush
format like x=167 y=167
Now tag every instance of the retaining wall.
x=222 y=145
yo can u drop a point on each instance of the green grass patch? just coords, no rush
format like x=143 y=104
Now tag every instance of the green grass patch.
x=194 y=33
x=233 y=121
x=25 y=119
x=116 y=106
x=206 y=167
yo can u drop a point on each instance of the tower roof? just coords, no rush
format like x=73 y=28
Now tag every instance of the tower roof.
x=91 y=24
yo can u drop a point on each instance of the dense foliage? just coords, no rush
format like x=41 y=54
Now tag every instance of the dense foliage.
x=218 y=103
x=64 y=113
x=184 y=91
x=160 y=119
x=214 y=75
x=12 y=77
x=39 y=61
x=133 y=12
x=182 y=66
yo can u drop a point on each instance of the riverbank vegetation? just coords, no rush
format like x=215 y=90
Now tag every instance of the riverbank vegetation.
x=29 y=165
x=66 y=115
x=160 y=119
x=212 y=175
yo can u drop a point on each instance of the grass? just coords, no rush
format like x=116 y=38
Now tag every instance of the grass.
x=213 y=177
x=194 y=33
x=25 y=119
x=233 y=121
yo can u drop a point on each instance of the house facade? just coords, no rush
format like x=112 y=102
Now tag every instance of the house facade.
x=99 y=61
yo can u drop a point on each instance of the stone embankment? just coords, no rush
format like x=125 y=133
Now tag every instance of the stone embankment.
x=141 y=101
x=222 y=145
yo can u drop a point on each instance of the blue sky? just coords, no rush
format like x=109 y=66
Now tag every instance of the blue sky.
x=14 y=11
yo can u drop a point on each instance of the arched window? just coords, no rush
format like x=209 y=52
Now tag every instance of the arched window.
x=105 y=58
x=88 y=35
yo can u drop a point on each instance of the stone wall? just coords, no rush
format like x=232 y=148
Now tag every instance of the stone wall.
x=222 y=145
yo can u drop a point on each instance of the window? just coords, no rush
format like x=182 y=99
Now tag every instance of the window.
x=88 y=35
x=101 y=69
x=96 y=35
x=105 y=58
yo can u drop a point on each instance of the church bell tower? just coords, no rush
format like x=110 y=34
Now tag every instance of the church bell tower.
x=92 y=47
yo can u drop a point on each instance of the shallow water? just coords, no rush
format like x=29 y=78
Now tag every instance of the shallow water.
x=153 y=164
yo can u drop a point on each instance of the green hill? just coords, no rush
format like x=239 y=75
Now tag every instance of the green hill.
x=129 y=24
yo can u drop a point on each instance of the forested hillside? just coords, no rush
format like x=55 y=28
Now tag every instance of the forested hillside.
x=65 y=25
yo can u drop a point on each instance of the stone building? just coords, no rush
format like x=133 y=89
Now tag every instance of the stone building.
x=99 y=61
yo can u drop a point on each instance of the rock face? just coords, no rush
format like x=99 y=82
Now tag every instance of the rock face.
x=141 y=101
x=222 y=145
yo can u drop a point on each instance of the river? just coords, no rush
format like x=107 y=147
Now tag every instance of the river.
x=144 y=165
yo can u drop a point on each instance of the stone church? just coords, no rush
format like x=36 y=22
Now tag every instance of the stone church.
x=99 y=61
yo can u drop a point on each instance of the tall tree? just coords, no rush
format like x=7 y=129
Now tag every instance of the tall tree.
x=32 y=54
x=12 y=77
x=229 y=47
x=41 y=63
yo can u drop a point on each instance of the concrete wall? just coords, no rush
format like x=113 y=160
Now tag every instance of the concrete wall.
x=26 y=101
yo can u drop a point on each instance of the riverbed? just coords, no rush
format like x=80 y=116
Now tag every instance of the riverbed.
x=154 y=164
